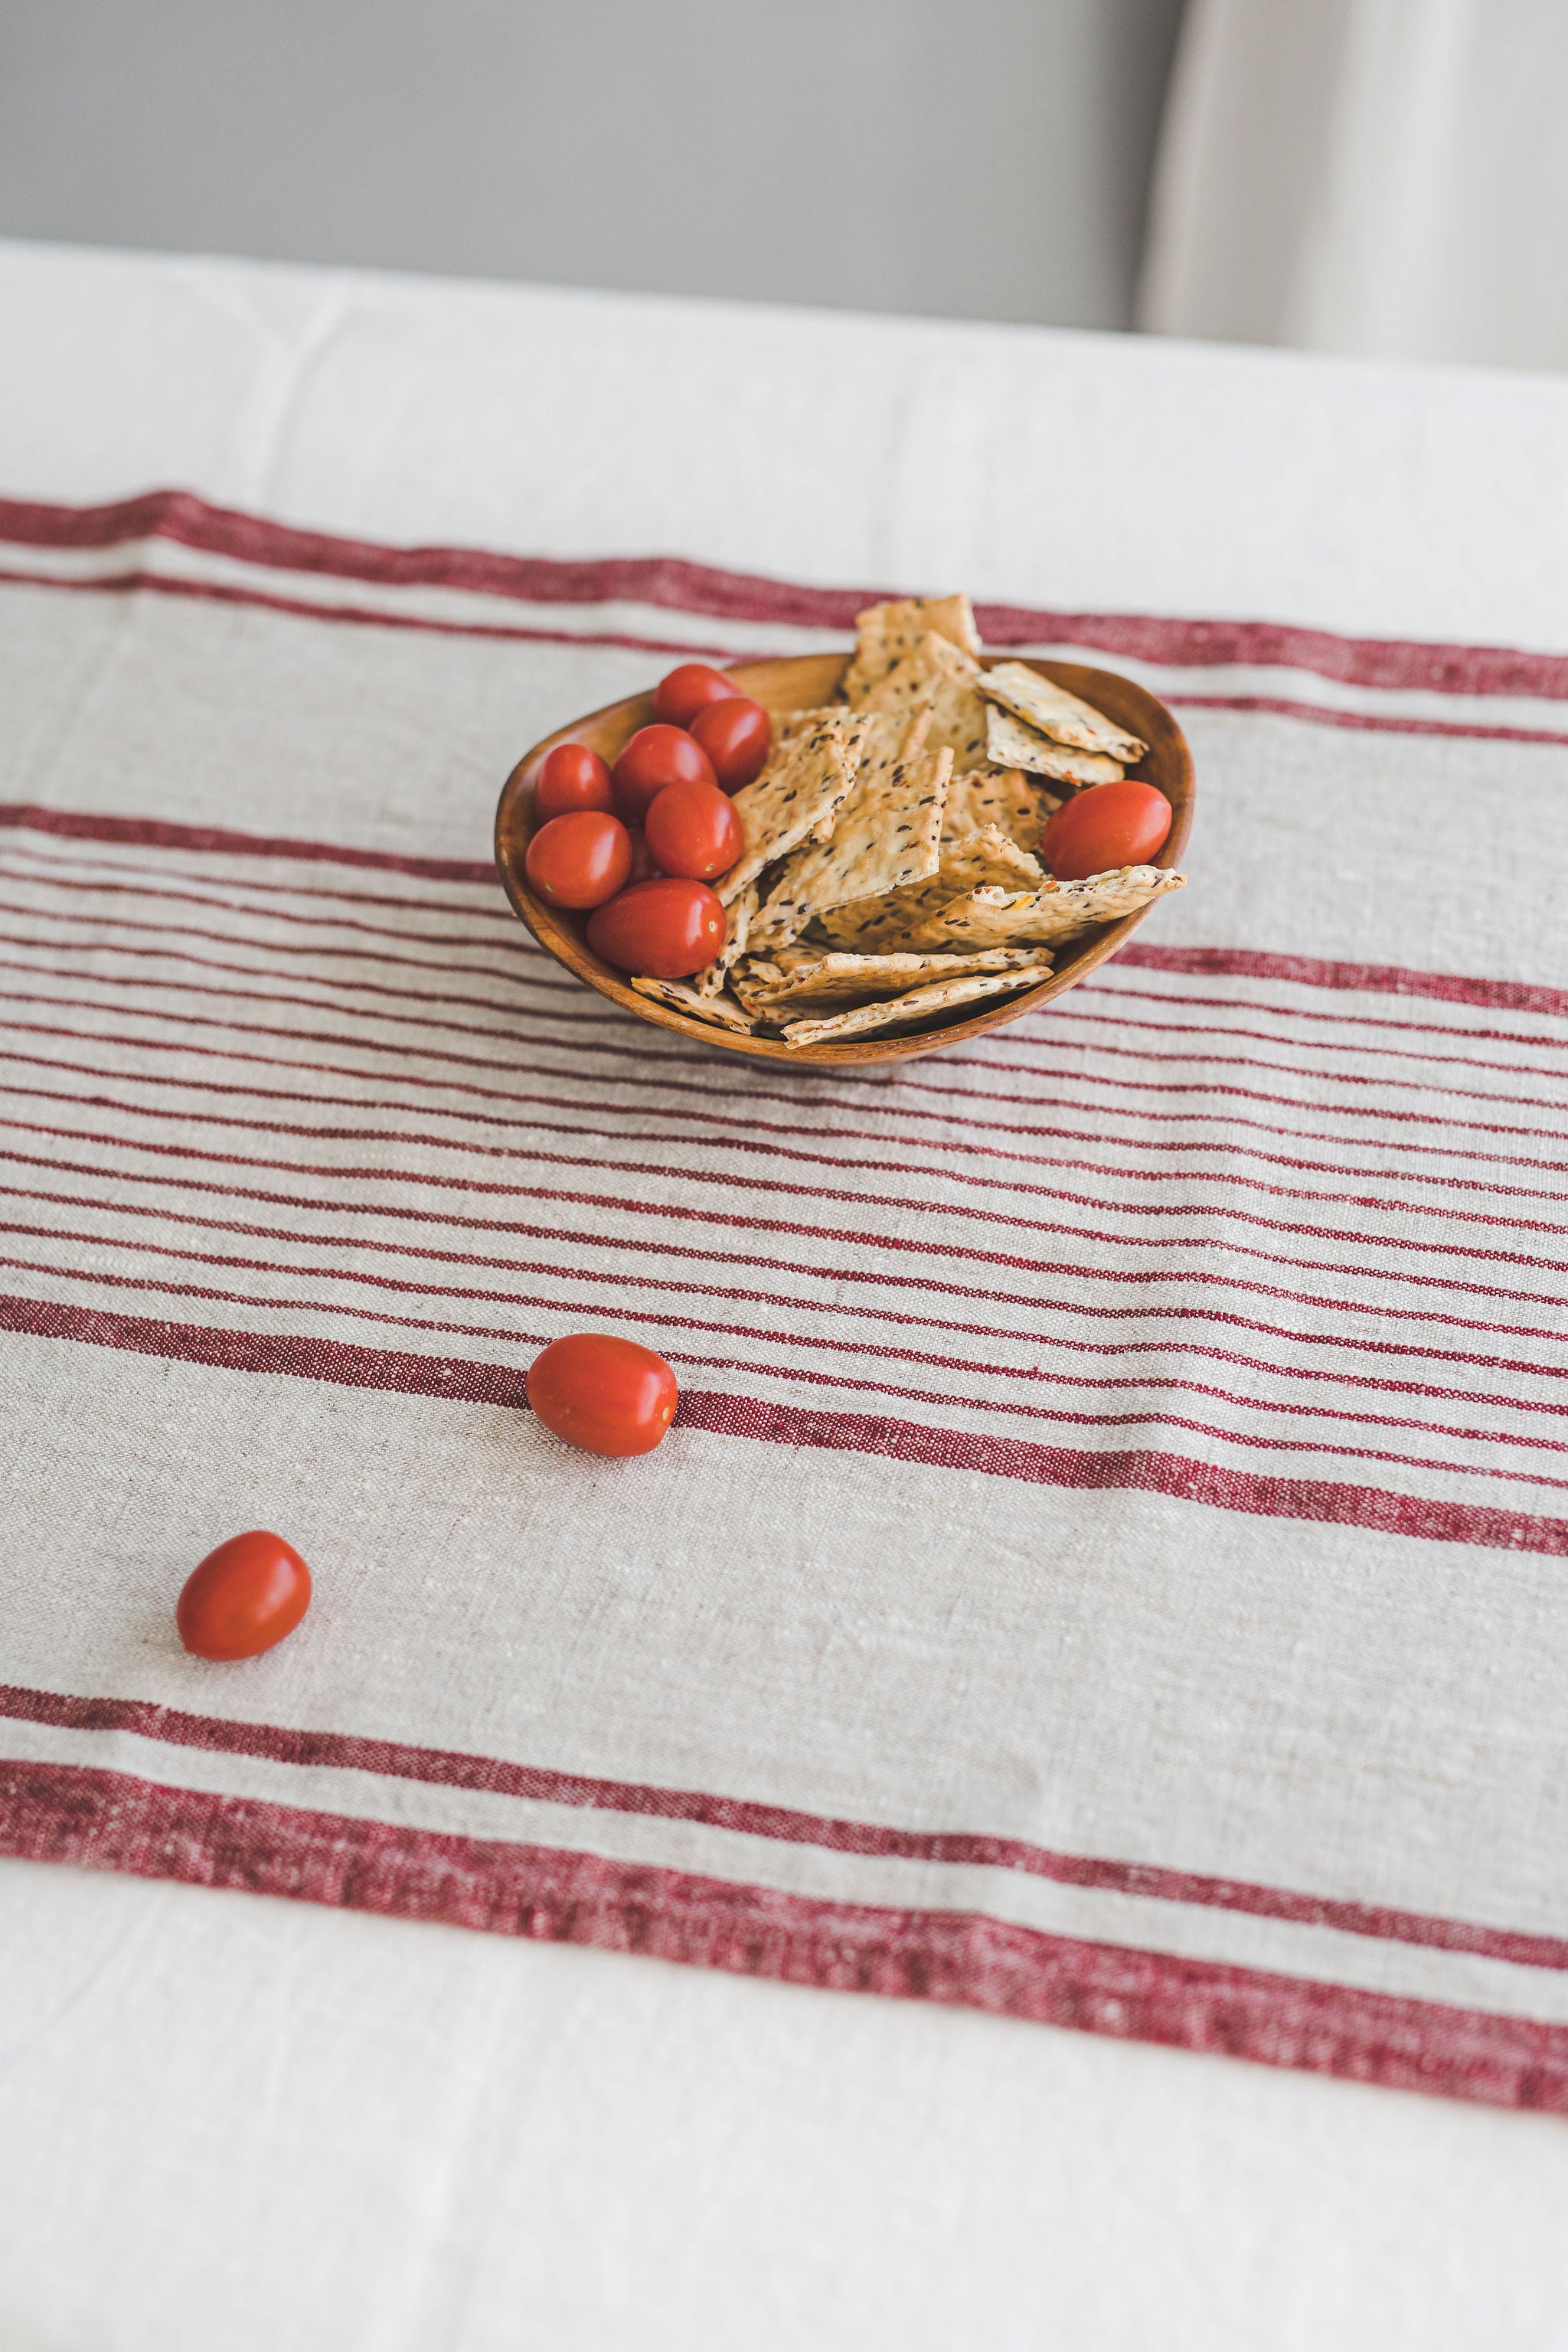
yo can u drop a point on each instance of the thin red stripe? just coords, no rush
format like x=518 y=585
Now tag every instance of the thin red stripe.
x=41 y=865
x=953 y=1252
x=678 y=585
x=909 y=1205
x=1366 y=722
x=1341 y=1172
x=620 y=1279
x=1070 y=1301
x=451 y=1769
x=664 y=1322
x=303 y=1357
x=776 y=1151
x=110 y=1821
x=517 y=942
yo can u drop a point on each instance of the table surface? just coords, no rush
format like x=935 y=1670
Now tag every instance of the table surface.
x=428 y=2132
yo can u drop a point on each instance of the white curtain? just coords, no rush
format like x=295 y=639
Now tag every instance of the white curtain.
x=1381 y=176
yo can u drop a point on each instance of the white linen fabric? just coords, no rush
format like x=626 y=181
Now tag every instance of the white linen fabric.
x=1381 y=176
x=210 y=764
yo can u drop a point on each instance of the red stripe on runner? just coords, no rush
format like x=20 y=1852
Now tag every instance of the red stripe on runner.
x=678 y=585
x=112 y=1821
x=205 y=840
x=1321 y=1500
x=453 y=1769
x=1372 y=978
x=142 y=581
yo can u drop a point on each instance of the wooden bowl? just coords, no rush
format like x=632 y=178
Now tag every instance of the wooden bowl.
x=798 y=684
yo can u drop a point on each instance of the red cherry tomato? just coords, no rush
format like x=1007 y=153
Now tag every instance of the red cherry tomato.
x=606 y=1395
x=572 y=777
x=665 y=930
x=244 y=1598
x=737 y=736
x=580 y=860
x=1106 y=827
x=692 y=829
x=655 y=757
x=644 y=868
x=679 y=697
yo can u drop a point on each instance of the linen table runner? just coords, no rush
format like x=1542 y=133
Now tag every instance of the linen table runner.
x=1108 y=1568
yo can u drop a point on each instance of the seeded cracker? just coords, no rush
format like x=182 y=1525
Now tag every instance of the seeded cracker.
x=887 y=833
x=1004 y=797
x=875 y=926
x=997 y=918
x=940 y=677
x=1007 y=739
x=738 y=921
x=885 y=632
x=801 y=787
x=1053 y=711
x=815 y=986
x=721 y=1010
x=919 y=1005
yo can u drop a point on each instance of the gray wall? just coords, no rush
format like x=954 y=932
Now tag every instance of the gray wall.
x=984 y=161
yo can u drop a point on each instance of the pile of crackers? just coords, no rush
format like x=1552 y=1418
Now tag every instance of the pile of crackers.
x=890 y=868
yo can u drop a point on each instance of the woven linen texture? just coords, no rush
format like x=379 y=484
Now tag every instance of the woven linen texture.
x=1106 y=1568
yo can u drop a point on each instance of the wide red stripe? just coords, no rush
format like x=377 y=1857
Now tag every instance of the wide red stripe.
x=306 y=1357
x=678 y=585
x=142 y=580
x=205 y=840
x=1370 y=979
x=453 y=1769
x=111 y=1821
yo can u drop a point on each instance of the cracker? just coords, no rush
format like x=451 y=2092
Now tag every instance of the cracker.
x=1052 y=711
x=885 y=632
x=801 y=787
x=1009 y=740
x=1005 y=797
x=887 y=834
x=985 y=858
x=738 y=921
x=721 y=1010
x=919 y=1005
x=789 y=724
x=835 y=979
x=995 y=919
x=938 y=676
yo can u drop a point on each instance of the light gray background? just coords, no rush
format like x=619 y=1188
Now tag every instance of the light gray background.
x=983 y=161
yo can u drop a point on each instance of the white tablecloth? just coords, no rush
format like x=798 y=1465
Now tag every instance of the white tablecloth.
x=225 y=2121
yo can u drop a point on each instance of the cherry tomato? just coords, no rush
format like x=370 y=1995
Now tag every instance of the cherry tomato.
x=655 y=757
x=244 y=1598
x=679 y=696
x=644 y=868
x=665 y=930
x=572 y=777
x=737 y=736
x=580 y=860
x=606 y=1395
x=1106 y=827
x=692 y=829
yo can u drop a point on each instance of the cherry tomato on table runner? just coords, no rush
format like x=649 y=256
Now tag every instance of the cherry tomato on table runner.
x=580 y=860
x=605 y=1394
x=664 y=930
x=737 y=736
x=682 y=693
x=244 y=1598
x=655 y=757
x=1107 y=827
x=692 y=829
x=572 y=777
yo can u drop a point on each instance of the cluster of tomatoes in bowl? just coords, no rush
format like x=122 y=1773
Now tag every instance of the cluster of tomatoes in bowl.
x=637 y=847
